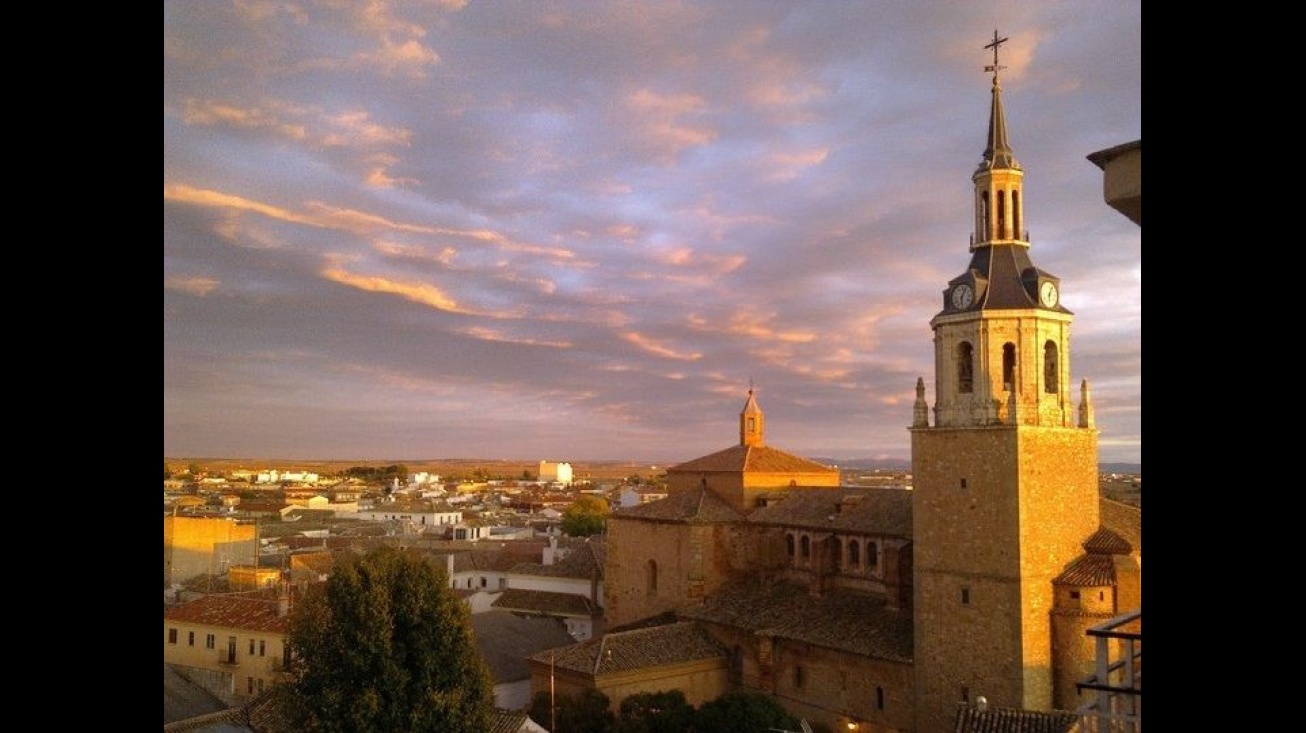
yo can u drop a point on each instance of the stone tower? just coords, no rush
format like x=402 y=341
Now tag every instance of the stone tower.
x=1005 y=479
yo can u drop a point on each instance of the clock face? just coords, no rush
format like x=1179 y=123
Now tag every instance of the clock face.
x=962 y=296
x=1048 y=294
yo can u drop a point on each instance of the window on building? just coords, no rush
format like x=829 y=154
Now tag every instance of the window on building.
x=1074 y=595
x=854 y=553
x=836 y=551
x=879 y=698
x=965 y=596
x=872 y=554
x=484 y=583
x=210 y=641
x=190 y=638
x=503 y=583
x=963 y=483
x=789 y=545
x=231 y=650
x=805 y=547
x=1051 y=369
x=987 y=216
x=1015 y=214
x=260 y=685
x=1008 y=367
x=172 y=636
x=251 y=685
x=251 y=647
x=1002 y=215
x=262 y=648
x=651 y=581
x=965 y=368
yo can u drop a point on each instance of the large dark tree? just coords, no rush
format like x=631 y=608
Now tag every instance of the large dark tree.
x=736 y=711
x=655 y=712
x=385 y=645
x=586 y=712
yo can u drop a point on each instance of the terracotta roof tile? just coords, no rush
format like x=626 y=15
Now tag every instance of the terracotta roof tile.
x=879 y=511
x=545 y=602
x=1125 y=520
x=1089 y=570
x=676 y=643
x=506 y=639
x=691 y=505
x=758 y=458
x=1006 y=720
x=1104 y=541
x=253 y=611
x=842 y=619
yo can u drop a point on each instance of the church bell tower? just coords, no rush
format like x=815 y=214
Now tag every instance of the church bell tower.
x=1005 y=485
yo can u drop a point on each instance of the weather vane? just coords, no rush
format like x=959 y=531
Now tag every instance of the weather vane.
x=995 y=68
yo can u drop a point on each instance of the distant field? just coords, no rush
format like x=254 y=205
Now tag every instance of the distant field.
x=450 y=467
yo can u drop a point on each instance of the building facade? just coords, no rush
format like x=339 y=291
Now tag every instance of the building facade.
x=893 y=609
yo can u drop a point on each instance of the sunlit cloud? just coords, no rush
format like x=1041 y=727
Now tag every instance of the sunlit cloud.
x=788 y=166
x=197 y=286
x=488 y=334
x=657 y=119
x=702 y=263
x=653 y=347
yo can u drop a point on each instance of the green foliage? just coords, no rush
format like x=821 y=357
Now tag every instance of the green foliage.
x=587 y=712
x=736 y=711
x=585 y=516
x=655 y=712
x=378 y=474
x=385 y=645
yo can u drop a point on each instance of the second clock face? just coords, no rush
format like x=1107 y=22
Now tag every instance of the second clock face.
x=1048 y=294
x=962 y=296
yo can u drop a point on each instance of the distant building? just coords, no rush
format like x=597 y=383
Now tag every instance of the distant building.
x=194 y=546
x=559 y=472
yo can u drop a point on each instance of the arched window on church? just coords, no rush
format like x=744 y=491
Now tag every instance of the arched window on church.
x=1008 y=367
x=789 y=547
x=986 y=216
x=806 y=547
x=836 y=550
x=652 y=580
x=1002 y=215
x=1051 y=369
x=854 y=553
x=1015 y=215
x=872 y=554
x=965 y=368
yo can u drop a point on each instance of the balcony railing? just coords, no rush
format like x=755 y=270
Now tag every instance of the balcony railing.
x=1115 y=690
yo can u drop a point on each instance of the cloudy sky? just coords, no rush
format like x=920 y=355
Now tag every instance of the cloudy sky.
x=579 y=230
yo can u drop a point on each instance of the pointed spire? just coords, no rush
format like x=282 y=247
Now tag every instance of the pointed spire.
x=998 y=154
x=921 y=418
x=1085 y=406
x=752 y=422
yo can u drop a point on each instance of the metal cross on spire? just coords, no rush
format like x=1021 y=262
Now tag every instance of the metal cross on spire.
x=995 y=68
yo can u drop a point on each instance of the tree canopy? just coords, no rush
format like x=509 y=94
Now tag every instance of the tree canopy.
x=736 y=711
x=587 y=712
x=585 y=516
x=385 y=645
